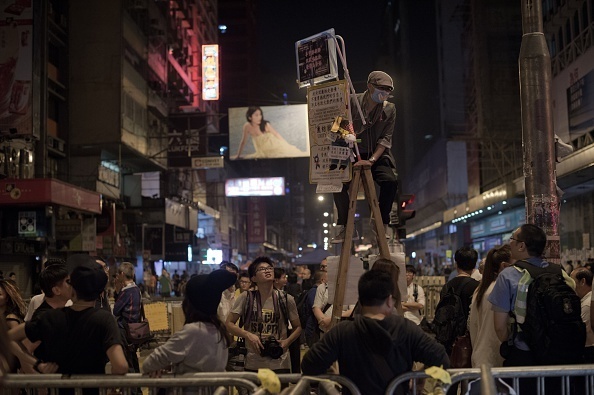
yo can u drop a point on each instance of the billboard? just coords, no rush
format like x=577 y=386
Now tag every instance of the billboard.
x=268 y=132
x=210 y=72
x=16 y=65
x=271 y=186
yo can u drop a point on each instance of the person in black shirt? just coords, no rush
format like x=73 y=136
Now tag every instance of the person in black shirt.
x=80 y=339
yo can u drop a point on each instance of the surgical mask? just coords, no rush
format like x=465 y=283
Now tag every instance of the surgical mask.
x=379 y=96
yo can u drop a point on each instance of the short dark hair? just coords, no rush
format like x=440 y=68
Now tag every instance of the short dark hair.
x=292 y=278
x=278 y=272
x=466 y=258
x=374 y=287
x=318 y=275
x=411 y=268
x=584 y=273
x=51 y=276
x=228 y=265
x=243 y=273
x=535 y=239
x=259 y=260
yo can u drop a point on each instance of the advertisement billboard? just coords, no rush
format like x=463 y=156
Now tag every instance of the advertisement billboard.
x=271 y=186
x=16 y=59
x=268 y=132
x=210 y=72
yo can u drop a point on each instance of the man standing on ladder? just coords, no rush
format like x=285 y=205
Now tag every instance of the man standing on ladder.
x=375 y=148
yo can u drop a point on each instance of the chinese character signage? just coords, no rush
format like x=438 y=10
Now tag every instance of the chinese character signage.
x=256 y=220
x=210 y=72
x=316 y=58
x=329 y=163
x=272 y=186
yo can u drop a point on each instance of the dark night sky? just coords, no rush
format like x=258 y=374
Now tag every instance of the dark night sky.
x=281 y=24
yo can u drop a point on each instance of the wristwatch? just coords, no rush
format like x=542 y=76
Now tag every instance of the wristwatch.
x=372 y=159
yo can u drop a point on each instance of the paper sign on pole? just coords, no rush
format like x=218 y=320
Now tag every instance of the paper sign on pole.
x=356 y=270
x=328 y=162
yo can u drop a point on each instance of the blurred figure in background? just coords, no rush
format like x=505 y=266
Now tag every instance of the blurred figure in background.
x=12 y=305
x=485 y=343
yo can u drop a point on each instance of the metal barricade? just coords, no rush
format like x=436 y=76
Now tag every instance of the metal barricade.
x=572 y=379
x=126 y=383
x=432 y=286
x=176 y=384
x=411 y=379
x=326 y=384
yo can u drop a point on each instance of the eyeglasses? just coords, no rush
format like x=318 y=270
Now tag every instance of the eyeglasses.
x=245 y=282
x=518 y=240
x=265 y=269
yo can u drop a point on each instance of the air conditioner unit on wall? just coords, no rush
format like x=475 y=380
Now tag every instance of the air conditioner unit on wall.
x=56 y=144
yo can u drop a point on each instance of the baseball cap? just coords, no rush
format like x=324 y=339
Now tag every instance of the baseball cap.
x=379 y=78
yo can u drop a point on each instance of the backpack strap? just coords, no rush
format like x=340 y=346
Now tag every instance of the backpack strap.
x=283 y=302
x=415 y=292
x=246 y=318
x=536 y=271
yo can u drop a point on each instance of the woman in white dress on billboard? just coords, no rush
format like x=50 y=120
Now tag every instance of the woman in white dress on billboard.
x=268 y=143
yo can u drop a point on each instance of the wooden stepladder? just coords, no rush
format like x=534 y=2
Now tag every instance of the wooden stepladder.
x=361 y=175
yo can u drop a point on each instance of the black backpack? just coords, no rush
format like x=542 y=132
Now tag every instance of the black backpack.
x=451 y=316
x=302 y=308
x=553 y=328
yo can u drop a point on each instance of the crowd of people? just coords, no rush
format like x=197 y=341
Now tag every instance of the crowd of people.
x=270 y=317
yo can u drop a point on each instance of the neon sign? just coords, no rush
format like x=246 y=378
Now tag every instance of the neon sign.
x=210 y=72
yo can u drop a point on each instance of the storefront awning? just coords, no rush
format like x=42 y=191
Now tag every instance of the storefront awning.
x=45 y=191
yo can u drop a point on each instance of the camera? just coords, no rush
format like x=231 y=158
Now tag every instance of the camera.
x=238 y=348
x=272 y=348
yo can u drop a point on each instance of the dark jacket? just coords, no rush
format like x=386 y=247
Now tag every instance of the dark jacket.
x=378 y=129
x=394 y=339
x=128 y=303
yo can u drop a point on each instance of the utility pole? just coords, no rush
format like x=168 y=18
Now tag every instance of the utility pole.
x=542 y=202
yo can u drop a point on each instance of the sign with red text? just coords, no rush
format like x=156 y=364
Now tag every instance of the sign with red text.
x=256 y=222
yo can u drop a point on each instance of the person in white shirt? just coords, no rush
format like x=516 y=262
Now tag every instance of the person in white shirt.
x=228 y=297
x=415 y=301
x=583 y=288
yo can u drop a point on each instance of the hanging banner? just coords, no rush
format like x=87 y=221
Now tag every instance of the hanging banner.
x=256 y=220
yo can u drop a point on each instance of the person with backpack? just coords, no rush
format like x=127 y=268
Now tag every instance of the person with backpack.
x=451 y=313
x=265 y=316
x=415 y=301
x=537 y=314
x=305 y=309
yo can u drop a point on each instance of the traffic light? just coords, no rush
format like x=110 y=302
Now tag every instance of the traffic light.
x=404 y=211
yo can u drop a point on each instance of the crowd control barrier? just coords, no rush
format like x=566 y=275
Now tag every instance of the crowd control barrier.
x=570 y=379
x=213 y=382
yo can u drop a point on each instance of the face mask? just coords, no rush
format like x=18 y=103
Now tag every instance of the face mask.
x=379 y=96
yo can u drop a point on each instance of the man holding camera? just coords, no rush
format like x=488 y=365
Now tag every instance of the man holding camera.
x=265 y=318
